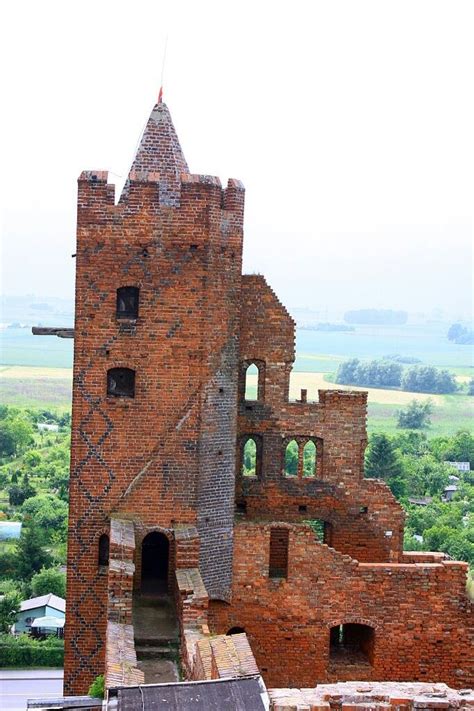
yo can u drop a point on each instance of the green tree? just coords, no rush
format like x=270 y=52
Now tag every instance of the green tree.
x=381 y=460
x=426 y=379
x=416 y=416
x=9 y=608
x=30 y=554
x=17 y=494
x=31 y=459
x=49 y=580
x=48 y=511
x=470 y=387
x=15 y=435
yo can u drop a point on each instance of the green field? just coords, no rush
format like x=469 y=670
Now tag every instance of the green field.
x=36 y=387
x=38 y=369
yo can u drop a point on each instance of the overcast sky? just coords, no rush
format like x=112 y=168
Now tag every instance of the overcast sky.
x=349 y=122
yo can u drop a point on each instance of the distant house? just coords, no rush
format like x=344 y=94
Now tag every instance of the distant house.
x=421 y=501
x=461 y=466
x=454 y=479
x=449 y=492
x=45 y=606
x=45 y=427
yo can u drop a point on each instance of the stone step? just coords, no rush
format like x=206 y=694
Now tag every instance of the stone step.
x=157 y=641
x=161 y=652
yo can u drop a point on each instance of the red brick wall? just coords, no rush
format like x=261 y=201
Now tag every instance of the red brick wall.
x=367 y=522
x=420 y=612
x=167 y=456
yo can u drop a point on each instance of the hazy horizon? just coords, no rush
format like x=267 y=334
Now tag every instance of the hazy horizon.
x=350 y=125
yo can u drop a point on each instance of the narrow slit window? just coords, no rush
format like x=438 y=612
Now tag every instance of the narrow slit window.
x=291 y=458
x=121 y=382
x=104 y=548
x=309 y=458
x=249 y=459
x=127 y=302
x=278 y=560
x=251 y=382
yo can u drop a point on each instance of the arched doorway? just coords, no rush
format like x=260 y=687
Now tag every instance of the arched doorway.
x=155 y=561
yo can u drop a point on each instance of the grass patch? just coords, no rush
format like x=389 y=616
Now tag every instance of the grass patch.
x=453 y=414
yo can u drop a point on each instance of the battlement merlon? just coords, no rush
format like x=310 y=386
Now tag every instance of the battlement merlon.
x=95 y=193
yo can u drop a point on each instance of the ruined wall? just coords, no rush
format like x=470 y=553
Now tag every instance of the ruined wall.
x=366 y=521
x=376 y=696
x=164 y=457
x=419 y=613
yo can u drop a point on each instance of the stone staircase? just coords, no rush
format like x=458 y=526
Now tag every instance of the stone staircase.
x=156 y=638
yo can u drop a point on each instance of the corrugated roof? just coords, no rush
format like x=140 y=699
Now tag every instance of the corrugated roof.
x=58 y=603
x=243 y=694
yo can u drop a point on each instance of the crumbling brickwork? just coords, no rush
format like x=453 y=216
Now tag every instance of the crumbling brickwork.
x=166 y=329
x=288 y=621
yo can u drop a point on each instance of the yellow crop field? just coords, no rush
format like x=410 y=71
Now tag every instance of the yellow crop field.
x=18 y=372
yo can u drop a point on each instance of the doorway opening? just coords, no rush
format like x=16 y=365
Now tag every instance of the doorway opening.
x=155 y=563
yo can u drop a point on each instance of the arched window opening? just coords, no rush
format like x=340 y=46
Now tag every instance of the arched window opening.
x=235 y=630
x=249 y=458
x=121 y=382
x=251 y=382
x=278 y=558
x=309 y=458
x=103 y=552
x=291 y=458
x=351 y=644
x=155 y=563
x=127 y=302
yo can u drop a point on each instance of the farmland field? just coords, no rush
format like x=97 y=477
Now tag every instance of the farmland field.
x=37 y=371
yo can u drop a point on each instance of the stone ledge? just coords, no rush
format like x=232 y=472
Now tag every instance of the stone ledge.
x=372 y=696
x=121 y=659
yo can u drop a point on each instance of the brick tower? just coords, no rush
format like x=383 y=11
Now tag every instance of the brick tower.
x=155 y=376
x=188 y=477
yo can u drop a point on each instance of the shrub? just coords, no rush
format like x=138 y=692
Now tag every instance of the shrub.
x=97 y=688
x=416 y=415
x=49 y=580
x=25 y=651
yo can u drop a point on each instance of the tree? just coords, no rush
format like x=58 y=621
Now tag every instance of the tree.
x=48 y=511
x=454 y=331
x=374 y=373
x=15 y=435
x=381 y=460
x=30 y=555
x=347 y=372
x=470 y=387
x=9 y=608
x=416 y=416
x=426 y=379
x=17 y=494
x=459 y=448
x=49 y=580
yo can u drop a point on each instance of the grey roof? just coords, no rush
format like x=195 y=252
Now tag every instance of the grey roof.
x=242 y=694
x=51 y=600
x=49 y=622
x=68 y=702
